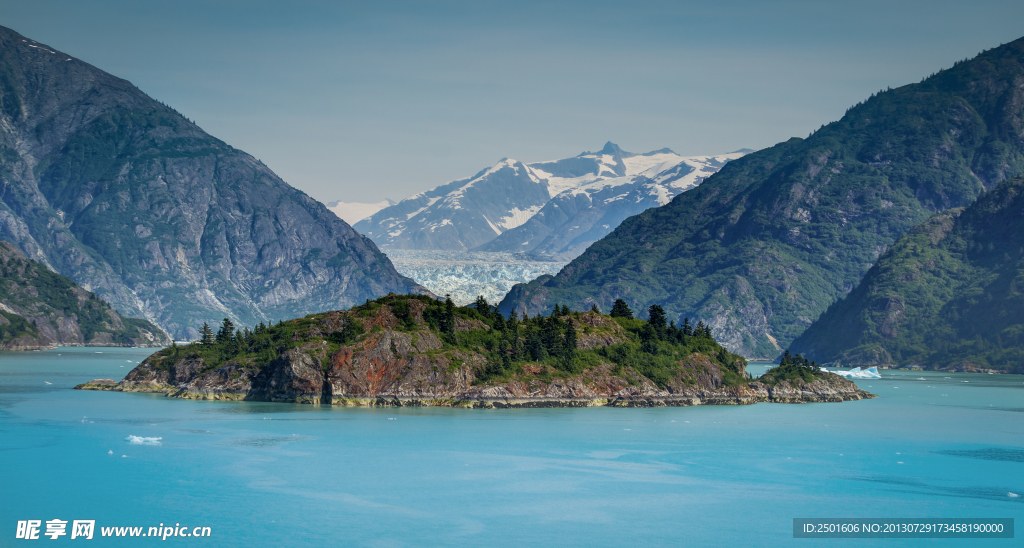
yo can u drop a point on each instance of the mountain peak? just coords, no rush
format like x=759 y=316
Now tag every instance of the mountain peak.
x=614 y=150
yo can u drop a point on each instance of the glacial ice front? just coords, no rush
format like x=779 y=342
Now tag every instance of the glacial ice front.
x=858 y=373
x=466 y=274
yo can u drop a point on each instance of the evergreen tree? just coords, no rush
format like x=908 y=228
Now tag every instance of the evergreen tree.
x=482 y=305
x=571 y=339
x=594 y=309
x=226 y=332
x=447 y=322
x=499 y=322
x=535 y=346
x=687 y=328
x=551 y=334
x=656 y=317
x=648 y=336
x=512 y=325
x=621 y=310
x=505 y=350
x=206 y=337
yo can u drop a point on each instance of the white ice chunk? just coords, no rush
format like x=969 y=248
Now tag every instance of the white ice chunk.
x=858 y=373
x=139 y=440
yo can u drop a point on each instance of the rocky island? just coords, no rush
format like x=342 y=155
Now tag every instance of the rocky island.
x=412 y=350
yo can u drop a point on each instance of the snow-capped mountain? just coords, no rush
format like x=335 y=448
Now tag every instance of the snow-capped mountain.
x=552 y=208
x=353 y=212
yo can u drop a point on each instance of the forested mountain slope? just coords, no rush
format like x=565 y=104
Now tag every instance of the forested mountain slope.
x=950 y=294
x=39 y=309
x=763 y=247
x=139 y=205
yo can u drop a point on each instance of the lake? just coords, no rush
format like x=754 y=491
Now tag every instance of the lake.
x=932 y=445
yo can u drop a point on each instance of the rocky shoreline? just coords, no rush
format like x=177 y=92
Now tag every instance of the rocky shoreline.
x=573 y=392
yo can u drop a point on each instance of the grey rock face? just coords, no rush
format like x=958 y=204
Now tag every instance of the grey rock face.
x=139 y=205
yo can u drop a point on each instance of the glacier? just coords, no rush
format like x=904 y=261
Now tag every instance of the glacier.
x=467 y=274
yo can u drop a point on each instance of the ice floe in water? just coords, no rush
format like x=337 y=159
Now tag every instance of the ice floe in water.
x=1012 y=495
x=858 y=373
x=139 y=440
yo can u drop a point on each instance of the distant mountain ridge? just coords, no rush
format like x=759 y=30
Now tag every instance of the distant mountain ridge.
x=41 y=309
x=948 y=295
x=353 y=212
x=554 y=208
x=139 y=205
x=764 y=246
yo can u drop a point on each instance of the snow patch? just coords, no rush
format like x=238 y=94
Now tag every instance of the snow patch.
x=518 y=217
x=353 y=212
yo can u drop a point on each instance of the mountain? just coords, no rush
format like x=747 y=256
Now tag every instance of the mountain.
x=353 y=212
x=948 y=295
x=764 y=246
x=41 y=309
x=415 y=351
x=136 y=203
x=552 y=208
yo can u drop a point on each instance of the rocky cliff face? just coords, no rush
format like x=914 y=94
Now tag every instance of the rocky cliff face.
x=139 y=205
x=402 y=360
x=41 y=309
x=764 y=246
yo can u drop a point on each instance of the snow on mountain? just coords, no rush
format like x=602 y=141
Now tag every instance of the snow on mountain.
x=554 y=208
x=353 y=212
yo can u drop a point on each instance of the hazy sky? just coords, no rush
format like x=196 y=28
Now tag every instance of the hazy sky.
x=361 y=101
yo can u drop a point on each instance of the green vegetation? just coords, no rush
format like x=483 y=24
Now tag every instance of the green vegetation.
x=653 y=349
x=765 y=245
x=949 y=294
x=43 y=296
x=791 y=368
x=255 y=348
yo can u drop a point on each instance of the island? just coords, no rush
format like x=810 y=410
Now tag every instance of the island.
x=413 y=350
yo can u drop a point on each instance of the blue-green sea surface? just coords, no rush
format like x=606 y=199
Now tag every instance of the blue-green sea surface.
x=266 y=474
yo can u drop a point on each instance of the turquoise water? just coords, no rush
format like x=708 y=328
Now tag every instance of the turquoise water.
x=951 y=445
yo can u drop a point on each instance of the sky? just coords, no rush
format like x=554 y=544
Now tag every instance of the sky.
x=360 y=101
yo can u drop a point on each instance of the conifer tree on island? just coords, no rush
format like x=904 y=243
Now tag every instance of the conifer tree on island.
x=621 y=310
